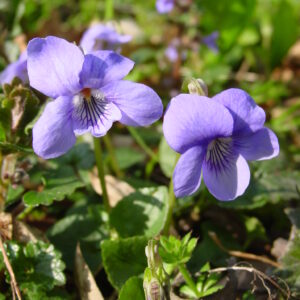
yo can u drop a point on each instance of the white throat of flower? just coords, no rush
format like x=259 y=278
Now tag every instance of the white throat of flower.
x=89 y=107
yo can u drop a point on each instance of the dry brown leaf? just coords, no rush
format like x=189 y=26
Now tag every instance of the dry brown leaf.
x=8 y=166
x=6 y=225
x=279 y=248
x=20 y=40
x=85 y=281
x=116 y=189
x=293 y=56
x=25 y=233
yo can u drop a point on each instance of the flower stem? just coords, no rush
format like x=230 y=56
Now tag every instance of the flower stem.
x=109 y=10
x=188 y=278
x=99 y=163
x=141 y=143
x=112 y=156
x=172 y=199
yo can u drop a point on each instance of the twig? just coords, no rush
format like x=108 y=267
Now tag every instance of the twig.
x=244 y=255
x=260 y=274
x=13 y=281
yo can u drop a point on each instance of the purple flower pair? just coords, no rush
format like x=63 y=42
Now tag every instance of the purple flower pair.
x=89 y=94
x=216 y=137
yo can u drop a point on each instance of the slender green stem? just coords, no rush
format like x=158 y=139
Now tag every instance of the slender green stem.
x=141 y=143
x=0 y=168
x=25 y=212
x=2 y=201
x=112 y=156
x=172 y=199
x=188 y=278
x=99 y=163
x=109 y=9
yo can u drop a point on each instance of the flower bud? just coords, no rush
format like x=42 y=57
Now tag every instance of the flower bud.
x=198 y=87
x=152 y=287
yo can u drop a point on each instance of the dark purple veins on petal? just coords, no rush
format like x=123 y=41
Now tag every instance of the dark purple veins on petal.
x=89 y=110
x=219 y=152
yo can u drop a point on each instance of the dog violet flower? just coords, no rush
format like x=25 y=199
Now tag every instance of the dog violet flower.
x=88 y=91
x=16 y=69
x=165 y=6
x=216 y=137
x=100 y=37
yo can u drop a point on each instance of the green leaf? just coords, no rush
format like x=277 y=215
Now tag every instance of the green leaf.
x=2 y=134
x=294 y=216
x=58 y=184
x=36 y=262
x=84 y=224
x=132 y=289
x=167 y=158
x=5 y=116
x=14 y=148
x=33 y=291
x=290 y=270
x=285 y=31
x=81 y=156
x=187 y=291
x=141 y=213
x=272 y=182
x=255 y=230
x=128 y=157
x=13 y=194
x=224 y=15
x=123 y=259
x=211 y=290
x=174 y=251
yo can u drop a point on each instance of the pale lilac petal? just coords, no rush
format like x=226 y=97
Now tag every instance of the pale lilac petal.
x=187 y=173
x=164 y=6
x=227 y=183
x=53 y=132
x=16 y=69
x=248 y=117
x=93 y=72
x=54 y=66
x=192 y=120
x=172 y=53
x=260 y=145
x=96 y=124
x=113 y=67
x=139 y=104
x=96 y=36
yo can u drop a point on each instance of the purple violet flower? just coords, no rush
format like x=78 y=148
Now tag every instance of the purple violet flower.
x=15 y=69
x=216 y=137
x=101 y=36
x=165 y=6
x=211 y=41
x=171 y=53
x=89 y=94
